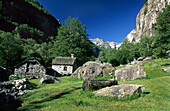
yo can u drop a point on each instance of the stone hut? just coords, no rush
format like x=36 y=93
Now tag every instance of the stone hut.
x=64 y=65
x=3 y=74
x=30 y=68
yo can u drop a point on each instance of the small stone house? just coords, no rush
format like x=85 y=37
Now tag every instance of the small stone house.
x=30 y=68
x=64 y=65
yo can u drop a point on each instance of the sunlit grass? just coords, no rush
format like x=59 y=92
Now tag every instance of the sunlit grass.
x=64 y=95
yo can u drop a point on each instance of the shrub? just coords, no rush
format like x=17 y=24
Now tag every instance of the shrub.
x=13 y=77
x=109 y=70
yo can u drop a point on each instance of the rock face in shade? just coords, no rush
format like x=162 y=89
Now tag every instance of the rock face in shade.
x=146 y=18
x=92 y=69
x=131 y=72
x=98 y=84
x=120 y=91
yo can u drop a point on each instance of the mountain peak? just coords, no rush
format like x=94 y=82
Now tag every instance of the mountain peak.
x=105 y=45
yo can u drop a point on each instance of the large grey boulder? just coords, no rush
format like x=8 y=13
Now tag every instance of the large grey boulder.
x=92 y=69
x=120 y=90
x=131 y=72
x=98 y=84
x=48 y=79
x=167 y=69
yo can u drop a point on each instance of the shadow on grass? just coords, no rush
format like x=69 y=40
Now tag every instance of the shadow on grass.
x=49 y=97
x=30 y=106
x=11 y=105
x=146 y=93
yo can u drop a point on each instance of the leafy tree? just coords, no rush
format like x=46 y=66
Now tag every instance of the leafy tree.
x=10 y=49
x=145 y=47
x=73 y=39
x=102 y=56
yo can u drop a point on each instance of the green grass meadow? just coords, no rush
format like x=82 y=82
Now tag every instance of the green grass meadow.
x=69 y=96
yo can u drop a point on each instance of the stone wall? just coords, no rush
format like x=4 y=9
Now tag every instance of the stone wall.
x=29 y=70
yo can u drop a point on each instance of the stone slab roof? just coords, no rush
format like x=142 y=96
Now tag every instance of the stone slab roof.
x=29 y=60
x=64 y=61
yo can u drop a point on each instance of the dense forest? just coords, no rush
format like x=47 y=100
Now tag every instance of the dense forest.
x=26 y=40
x=71 y=39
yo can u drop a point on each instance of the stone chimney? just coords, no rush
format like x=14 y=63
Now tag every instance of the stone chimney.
x=72 y=55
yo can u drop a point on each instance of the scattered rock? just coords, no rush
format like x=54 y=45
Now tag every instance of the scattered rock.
x=120 y=91
x=140 y=58
x=98 y=84
x=168 y=52
x=135 y=62
x=147 y=59
x=22 y=84
x=9 y=91
x=48 y=79
x=92 y=69
x=121 y=65
x=167 y=69
x=131 y=72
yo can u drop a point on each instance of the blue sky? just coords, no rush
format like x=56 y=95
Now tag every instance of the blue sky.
x=110 y=20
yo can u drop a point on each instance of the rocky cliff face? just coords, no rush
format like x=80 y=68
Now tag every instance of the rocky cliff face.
x=16 y=12
x=146 y=18
x=105 y=45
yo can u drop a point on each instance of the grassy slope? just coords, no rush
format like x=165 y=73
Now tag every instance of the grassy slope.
x=63 y=96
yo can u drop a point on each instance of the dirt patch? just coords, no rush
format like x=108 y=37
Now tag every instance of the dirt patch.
x=162 y=77
x=56 y=93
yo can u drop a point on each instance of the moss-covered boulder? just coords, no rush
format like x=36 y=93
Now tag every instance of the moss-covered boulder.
x=120 y=90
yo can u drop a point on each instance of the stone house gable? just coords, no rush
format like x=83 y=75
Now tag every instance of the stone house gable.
x=30 y=68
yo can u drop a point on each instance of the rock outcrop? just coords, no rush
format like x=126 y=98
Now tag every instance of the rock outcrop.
x=131 y=72
x=167 y=69
x=120 y=91
x=48 y=79
x=92 y=69
x=98 y=84
x=146 y=18
x=11 y=90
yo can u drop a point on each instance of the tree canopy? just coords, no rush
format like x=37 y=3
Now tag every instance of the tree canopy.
x=73 y=39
